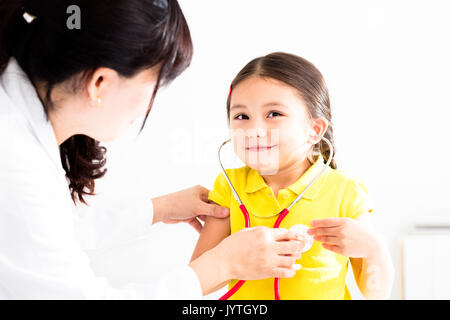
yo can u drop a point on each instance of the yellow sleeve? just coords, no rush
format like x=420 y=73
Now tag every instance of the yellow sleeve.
x=221 y=192
x=356 y=199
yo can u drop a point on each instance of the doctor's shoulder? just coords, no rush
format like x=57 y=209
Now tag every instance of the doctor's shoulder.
x=19 y=148
x=13 y=126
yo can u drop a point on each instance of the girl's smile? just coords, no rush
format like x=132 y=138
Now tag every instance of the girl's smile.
x=259 y=148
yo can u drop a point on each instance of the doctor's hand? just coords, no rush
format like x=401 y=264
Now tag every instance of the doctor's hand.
x=261 y=252
x=249 y=254
x=188 y=205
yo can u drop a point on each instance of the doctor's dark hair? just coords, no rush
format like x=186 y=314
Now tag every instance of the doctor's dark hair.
x=301 y=75
x=128 y=36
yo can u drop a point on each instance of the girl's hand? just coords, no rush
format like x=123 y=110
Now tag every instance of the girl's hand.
x=345 y=236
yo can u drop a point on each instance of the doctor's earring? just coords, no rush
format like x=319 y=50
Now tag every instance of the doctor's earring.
x=96 y=101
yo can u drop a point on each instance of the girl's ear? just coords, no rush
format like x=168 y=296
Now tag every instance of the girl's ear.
x=318 y=129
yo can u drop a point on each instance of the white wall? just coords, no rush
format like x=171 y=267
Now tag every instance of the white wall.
x=387 y=67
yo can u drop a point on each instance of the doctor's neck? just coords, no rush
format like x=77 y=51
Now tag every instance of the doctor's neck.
x=64 y=115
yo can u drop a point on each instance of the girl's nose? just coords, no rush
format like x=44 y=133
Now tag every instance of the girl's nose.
x=261 y=133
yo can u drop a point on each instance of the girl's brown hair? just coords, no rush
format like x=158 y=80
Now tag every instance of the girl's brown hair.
x=301 y=75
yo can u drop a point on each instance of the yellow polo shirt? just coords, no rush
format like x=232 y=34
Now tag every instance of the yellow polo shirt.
x=334 y=194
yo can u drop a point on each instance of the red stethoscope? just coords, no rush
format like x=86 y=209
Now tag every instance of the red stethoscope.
x=281 y=215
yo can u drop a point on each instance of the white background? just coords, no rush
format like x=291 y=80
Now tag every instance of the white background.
x=387 y=68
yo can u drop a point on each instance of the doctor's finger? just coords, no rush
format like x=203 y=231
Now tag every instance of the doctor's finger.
x=297 y=255
x=203 y=192
x=212 y=209
x=284 y=272
x=285 y=261
x=292 y=247
x=196 y=224
x=282 y=234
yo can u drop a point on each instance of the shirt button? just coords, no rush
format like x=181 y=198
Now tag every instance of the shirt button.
x=285 y=196
x=269 y=194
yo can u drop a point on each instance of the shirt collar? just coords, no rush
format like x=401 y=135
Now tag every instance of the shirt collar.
x=255 y=181
x=25 y=99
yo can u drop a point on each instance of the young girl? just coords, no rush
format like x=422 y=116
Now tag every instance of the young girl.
x=278 y=110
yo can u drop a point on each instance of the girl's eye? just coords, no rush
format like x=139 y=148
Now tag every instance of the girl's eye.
x=241 y=117
x=274 y=114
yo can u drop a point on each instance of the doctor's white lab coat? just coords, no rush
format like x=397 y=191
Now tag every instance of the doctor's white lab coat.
x=41 y=256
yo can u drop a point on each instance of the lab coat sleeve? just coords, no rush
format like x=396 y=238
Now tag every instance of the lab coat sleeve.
x=40 y=257
x=101 y=225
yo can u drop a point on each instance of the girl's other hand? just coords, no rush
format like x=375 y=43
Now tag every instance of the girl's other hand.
x=345 y=236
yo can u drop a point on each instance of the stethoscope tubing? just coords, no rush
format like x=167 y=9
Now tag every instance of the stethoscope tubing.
x=280 y=217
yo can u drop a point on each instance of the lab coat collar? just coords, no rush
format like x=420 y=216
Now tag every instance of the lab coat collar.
x=255 y=181
x=24 y=97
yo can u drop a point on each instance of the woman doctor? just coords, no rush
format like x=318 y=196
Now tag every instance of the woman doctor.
x=66 y=86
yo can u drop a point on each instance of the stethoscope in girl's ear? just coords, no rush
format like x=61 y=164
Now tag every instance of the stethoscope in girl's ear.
x=281 y=215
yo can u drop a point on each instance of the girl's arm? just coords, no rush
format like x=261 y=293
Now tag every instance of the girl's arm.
x=368 y=252
x=213 y=232
x=374 y=273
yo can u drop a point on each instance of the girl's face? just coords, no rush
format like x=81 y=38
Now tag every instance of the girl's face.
x=270 y=125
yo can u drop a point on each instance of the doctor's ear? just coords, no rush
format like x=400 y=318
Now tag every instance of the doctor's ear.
x=100 y=83
x=318 y=128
